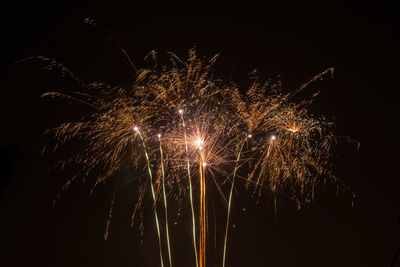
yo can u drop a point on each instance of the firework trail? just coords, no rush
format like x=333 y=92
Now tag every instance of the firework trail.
x=202 y=122
x=190 y=190
x=203 y=211
x=136 y=129
x=230 y=200
x=165 y=201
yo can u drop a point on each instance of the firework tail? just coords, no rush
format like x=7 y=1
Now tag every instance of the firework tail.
x=154 y=197
x=202 y=211
x=165 y=202
x=190 y=191
x=230 y=201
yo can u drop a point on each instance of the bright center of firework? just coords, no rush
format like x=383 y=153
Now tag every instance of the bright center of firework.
x=159 y=135
x=204 y=164
x=273 y=138
x=135 y=128
x=199 y=143
x=180 y=111
x=249 y=136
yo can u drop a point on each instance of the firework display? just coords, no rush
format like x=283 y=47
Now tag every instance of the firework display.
x=194 y=131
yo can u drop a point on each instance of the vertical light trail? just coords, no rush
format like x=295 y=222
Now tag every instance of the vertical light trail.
x=165 y=201
x=190 y=190
x=203 y=212
x=136 y=129
x=230 y=201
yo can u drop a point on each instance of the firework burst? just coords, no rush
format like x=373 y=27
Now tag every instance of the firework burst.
x=203 y=131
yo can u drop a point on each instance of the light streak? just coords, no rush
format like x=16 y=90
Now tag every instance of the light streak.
x=165 y=201
x=230 y=200
x=203 y=210
x=190 y=190
x=136 y=129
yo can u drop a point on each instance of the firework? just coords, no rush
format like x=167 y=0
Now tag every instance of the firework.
x=205 y=132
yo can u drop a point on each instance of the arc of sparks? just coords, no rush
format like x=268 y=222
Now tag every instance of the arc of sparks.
x=136 y=129
x=165 y=201
x=190 y=189
x=230 y=199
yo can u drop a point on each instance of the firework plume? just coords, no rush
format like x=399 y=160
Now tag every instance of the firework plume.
x=194 y=131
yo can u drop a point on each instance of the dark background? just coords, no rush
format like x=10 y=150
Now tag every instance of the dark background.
x=295 y=41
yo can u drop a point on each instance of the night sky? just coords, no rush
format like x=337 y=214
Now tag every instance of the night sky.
x=361 y=41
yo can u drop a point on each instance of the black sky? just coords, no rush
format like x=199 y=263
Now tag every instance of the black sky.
x=294 y=41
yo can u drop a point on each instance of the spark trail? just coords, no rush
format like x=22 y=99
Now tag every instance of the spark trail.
x=230 y=200
x=190 y=190
x=165 y=201
x=136 y=129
